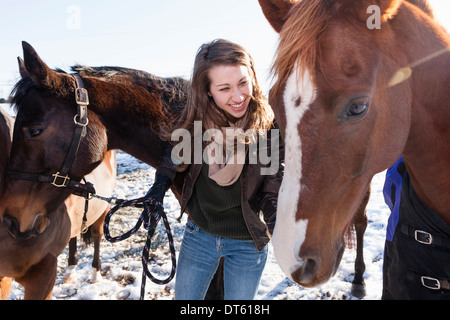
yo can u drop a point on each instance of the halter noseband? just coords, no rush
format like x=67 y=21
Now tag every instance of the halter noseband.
x=61 y=178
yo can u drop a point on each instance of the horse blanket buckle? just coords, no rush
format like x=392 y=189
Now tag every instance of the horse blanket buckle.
x=430 y=283
x=423 y=237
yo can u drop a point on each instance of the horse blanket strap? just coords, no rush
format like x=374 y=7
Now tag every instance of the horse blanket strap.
x=425 y=237
x=152 y=213
x=429 y=282
x=417 y=250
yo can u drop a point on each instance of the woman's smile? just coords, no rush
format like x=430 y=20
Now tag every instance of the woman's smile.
x=239 y=107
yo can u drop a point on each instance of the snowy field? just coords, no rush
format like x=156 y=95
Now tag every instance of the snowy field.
x=122 y=268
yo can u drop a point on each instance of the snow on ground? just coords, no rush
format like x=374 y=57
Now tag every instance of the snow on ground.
x=121 y=262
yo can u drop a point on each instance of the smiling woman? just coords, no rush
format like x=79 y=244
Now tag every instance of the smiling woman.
x=224 y=198
x=231 y=89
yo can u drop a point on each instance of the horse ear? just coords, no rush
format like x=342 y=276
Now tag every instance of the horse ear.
x=22 y=69
x=33 y=66
x=277 y=11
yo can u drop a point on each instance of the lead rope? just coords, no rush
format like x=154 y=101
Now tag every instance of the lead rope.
x=151 y=214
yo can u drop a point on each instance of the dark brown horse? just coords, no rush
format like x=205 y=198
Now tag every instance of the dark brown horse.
x=118 y=117
x=350 y=101
x=25 y=259
x=126 y=109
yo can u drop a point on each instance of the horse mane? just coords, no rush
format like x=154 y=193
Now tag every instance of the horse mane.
x=173 y=91
x=424 y=6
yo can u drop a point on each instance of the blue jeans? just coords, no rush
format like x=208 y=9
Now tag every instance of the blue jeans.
x=199 y=258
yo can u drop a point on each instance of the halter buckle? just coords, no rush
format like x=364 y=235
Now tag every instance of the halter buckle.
x=76 y=118
x=81 y=96
x=59 y=176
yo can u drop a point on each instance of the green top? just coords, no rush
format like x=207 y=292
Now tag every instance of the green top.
x=217 y=209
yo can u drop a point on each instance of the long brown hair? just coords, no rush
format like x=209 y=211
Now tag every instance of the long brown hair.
x=201 y=107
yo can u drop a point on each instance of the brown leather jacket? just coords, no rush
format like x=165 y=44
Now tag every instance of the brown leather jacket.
x=259 y=192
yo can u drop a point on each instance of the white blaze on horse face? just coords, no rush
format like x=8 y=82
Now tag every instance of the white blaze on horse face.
x=289 y=234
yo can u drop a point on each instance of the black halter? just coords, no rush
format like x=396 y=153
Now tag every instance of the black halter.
x=61 y=178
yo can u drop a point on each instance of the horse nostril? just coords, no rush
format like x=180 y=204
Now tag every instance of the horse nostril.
x=306 y=274
x=11 y=224
x=310 y=268
x=13 y=227
x=41 y=223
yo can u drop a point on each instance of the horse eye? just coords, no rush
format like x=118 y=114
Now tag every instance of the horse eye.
x=357 y=108
x=34 y=132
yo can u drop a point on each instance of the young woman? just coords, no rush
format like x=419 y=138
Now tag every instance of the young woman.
x=224 y=199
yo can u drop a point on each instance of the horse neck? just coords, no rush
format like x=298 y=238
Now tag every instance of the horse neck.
x=427 y=151
x=131 y=119
x=141 y=142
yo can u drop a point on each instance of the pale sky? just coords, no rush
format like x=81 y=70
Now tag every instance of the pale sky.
x=158 y=36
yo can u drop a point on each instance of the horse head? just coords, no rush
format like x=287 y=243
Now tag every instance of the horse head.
x=343 y=115
x=46 y=105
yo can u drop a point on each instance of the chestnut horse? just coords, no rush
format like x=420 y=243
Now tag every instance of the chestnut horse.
x=6 y=126
x=126 y=109
x=350 y=101
x=24 y=259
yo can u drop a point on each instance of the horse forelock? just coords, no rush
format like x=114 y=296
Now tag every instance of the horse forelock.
x=58 y=84
x=299 y=45
x=20 y=90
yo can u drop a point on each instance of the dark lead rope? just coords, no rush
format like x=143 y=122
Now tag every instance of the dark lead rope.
x=151 y=214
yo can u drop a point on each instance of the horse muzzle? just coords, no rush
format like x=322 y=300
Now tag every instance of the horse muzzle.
x=306 y=274
x=314 y=270
x=13 y=226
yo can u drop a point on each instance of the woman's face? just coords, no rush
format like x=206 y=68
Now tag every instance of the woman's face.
x=231 y=88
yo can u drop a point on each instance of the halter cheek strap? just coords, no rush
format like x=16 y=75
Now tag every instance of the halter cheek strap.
x=61 y=178
x=81 y=122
